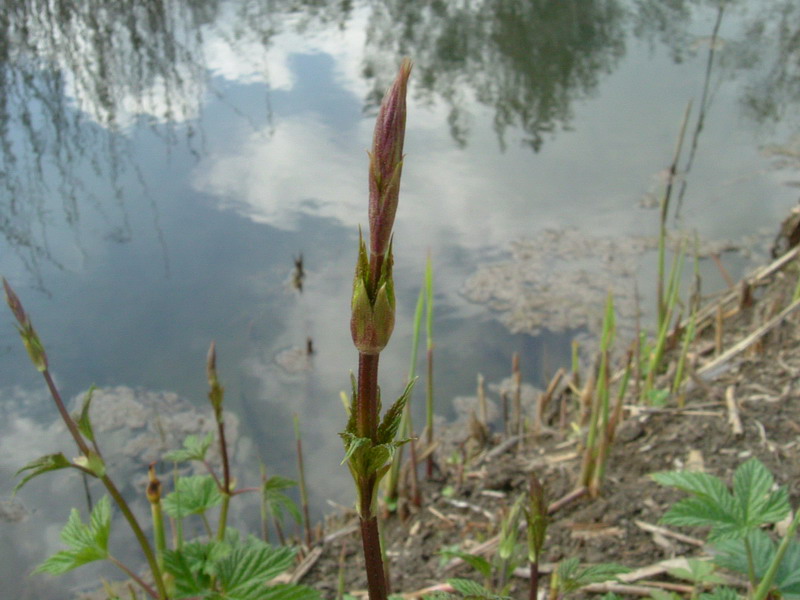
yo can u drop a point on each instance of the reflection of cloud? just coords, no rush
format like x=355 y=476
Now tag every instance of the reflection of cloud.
x=242 y=55
x=299 y=169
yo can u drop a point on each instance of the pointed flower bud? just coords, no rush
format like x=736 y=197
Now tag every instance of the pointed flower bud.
x=153 y=490
x=372 y=318
x=216 y=392
x=386 y=161
x=25 y=328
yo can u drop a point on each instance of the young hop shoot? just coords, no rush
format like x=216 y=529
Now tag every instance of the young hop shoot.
x=369 y=444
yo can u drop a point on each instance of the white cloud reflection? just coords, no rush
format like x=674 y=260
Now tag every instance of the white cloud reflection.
x=273 y=179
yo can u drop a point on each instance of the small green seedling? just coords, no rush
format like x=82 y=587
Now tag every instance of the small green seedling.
x=736 y=517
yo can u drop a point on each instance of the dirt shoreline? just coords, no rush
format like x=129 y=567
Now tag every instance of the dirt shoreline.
x=743 y=401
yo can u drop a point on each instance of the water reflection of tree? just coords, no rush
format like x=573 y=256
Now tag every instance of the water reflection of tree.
x=72 y=76
x=528 y=60
x=764 y=51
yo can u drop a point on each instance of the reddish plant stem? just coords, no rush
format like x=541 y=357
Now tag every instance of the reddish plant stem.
x=534 y=589
x=367 y=426
x=376 y=577
x=367 y=408
x=566 y=499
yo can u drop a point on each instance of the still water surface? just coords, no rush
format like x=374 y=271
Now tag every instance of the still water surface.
x=163 y=163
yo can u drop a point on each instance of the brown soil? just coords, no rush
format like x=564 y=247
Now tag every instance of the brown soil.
x=760 y=382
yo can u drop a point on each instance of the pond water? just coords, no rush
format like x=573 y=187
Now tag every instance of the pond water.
x=163 y=164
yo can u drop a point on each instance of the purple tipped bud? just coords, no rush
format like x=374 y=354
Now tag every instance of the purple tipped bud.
x=14 y=304
x=26 y=331
x=216 y=393
x=211 y=364
x=386 y=161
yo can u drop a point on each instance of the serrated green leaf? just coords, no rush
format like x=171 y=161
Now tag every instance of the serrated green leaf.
x=601 y=572
x=391 y=420
x=701 y=512
x=697 y=571
x=194 y=448
x=470 y=589
x=712 y=504
x=352 y=443
x=732 y=554
x=194 y=495
x=377 y=456
x=276 y=482
x=701 y=485
x=720 y=593
x=88 y=543
x=480 y=564
x=752 y=485
x=188 y=578
x=248 y=568
x=84 y=422
x=572 y=576
x=278 y=502
x=50 y=462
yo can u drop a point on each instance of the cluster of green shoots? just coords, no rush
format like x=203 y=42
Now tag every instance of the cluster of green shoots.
x=221 y=564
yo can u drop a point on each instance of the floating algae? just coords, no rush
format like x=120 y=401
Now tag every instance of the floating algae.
x=139 y=426
x=13 y=511
x=559 y=280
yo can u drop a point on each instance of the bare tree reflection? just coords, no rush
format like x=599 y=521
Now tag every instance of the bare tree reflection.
x=77 y=76
x=73 y=76
x=528 y=60
x=764 y=53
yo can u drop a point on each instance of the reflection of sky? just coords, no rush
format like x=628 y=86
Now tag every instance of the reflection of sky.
x=291 y=177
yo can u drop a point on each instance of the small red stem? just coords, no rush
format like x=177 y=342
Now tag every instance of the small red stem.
x=376 y=577
x=367 y=408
